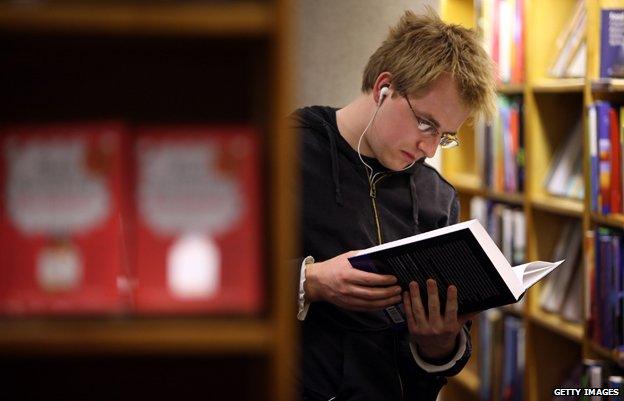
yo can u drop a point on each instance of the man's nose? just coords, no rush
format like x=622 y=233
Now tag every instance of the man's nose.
x=428 y=146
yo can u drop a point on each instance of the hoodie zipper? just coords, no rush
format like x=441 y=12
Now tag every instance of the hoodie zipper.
x=373 y=196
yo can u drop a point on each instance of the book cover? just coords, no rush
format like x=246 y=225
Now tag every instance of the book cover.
x=62 y=211
x=463 y=255
x=198 y=220
x=612 y=43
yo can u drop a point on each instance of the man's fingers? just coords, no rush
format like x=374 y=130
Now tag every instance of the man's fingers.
x=418 y=309
x=409 y=313
x=450 y=313
x=355 y=276
x=375 y=293
x=433 y=301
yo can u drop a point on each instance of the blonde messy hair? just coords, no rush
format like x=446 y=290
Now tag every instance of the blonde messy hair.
x=421 y=47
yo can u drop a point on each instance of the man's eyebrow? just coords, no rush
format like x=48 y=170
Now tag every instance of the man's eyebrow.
x=432 y=120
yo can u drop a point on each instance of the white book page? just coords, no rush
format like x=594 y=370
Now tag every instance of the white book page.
x=498 y=259
x=531 y=273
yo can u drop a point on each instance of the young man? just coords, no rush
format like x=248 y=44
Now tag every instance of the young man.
x=364 y=182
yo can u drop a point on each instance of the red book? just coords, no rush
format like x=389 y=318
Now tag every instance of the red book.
x=616 y=162
x=198 y=220
x=61 y=214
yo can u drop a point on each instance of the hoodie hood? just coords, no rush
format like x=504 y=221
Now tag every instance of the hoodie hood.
x=323 y=119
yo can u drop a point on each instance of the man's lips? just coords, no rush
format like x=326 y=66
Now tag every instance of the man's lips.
x=408 y=155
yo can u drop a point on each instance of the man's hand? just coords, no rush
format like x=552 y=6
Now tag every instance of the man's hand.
x=337 y=282
x=434 y=335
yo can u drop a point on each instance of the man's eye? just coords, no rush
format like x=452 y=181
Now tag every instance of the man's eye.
x=424 y=125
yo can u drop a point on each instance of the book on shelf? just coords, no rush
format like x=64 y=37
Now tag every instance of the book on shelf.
x=514 y=361
x=605 y=132
x=565 y=173
x=463 y=255
x=612 y=43
x=198 y=245
x=490 y=354
x=606 y=293
x=501 y=27
x=62 y=214
x=502 y=145
x=557 y=289
x=600 y=379
x=570 y=46
x=506 y=226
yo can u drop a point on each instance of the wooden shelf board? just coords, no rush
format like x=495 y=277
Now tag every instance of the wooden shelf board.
x=466 y=183
x=511 y=89
x=607 y=85
x=469 y=380
x=135 y=335
x=613 y=220
x=556 y=324
x=614 y=355
x=563 y=85
x=511 y=198
x=565 y=206
x=220 y=18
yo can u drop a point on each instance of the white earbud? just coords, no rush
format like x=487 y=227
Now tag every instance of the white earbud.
x=383 y=93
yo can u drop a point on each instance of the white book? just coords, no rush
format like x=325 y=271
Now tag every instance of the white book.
x=463 y=255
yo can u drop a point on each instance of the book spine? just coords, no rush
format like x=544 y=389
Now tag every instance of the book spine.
x=616 y=162
x=604 y=156
x=592 y=119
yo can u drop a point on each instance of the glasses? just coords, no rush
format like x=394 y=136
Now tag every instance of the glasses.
x=447 y=141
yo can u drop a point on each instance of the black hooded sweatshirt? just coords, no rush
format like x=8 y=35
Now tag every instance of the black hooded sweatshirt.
x=357 y=355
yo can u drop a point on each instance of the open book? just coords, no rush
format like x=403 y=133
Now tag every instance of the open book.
x=463 y=255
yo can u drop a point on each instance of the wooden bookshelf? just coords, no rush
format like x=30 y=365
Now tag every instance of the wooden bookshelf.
x=174 y=57
x=555 y=323
x=190 y=18
x=558 y=205
x=600 y=352
x=125 y=336
x=511 y=89
x=509 y=198
x=563 y=85
x=469 y=380
x=611 y=220
x=551 y=108
x=469 y=183
x=607 y=85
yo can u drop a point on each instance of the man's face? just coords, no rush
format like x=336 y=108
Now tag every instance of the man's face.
x=400 y=136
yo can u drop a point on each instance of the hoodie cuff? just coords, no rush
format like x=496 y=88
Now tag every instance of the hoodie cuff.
x=431 y=368
x=303 y=304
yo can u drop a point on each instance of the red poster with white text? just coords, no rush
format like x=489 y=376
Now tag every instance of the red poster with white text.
x=61 y=218
x=197 y=206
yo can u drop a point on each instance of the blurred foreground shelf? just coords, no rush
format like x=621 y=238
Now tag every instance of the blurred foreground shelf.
x=218 y=18
x=135 y=336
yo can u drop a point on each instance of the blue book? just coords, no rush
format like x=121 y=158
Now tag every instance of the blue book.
x=612 y=43
x=604 y=157
x=592 y=121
